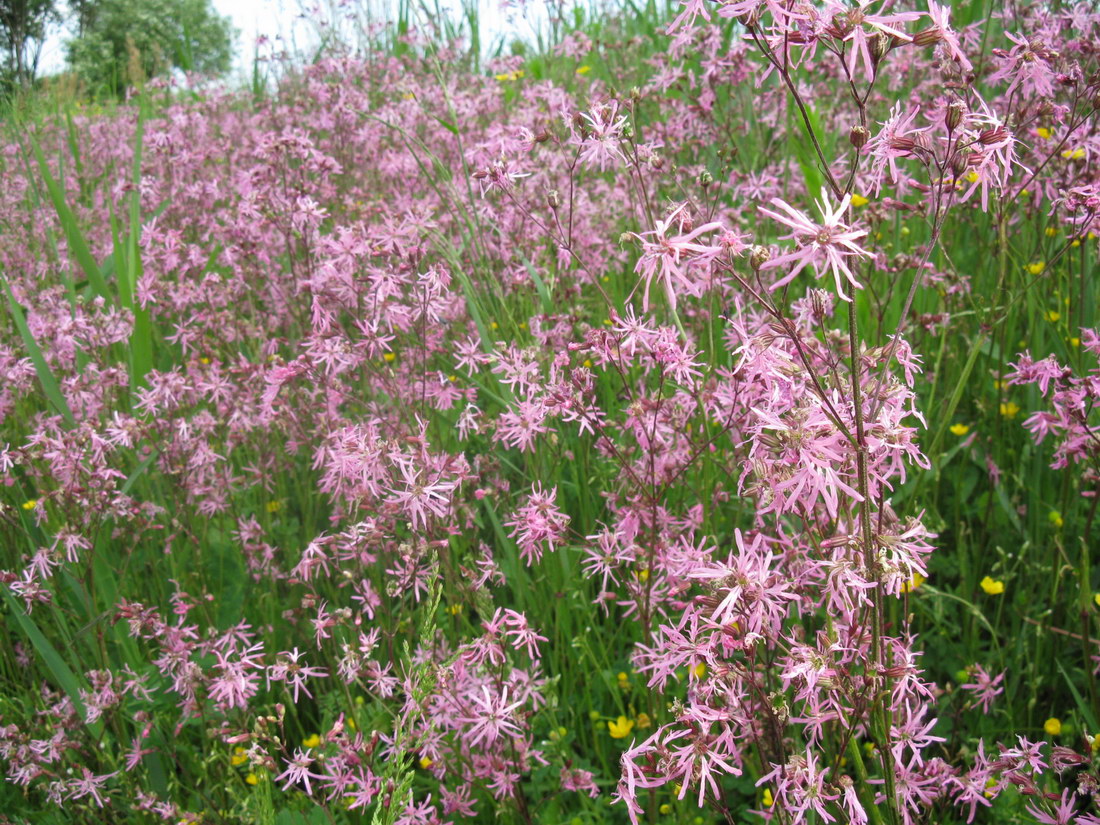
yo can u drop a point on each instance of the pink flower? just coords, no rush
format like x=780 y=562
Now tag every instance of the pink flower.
x=288 y=670
x=826 y=246
x=668 y=257
x=492 y=719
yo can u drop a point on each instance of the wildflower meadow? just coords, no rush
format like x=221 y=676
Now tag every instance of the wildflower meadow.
x=679 y=414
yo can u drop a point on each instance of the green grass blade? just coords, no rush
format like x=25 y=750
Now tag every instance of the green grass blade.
x=45 y=375
x=141 y=337
x=61 y=672
x=78 y=246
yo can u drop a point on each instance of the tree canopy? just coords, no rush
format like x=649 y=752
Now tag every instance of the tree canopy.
x=121 y=42
x=22 y=30
x=115 y=43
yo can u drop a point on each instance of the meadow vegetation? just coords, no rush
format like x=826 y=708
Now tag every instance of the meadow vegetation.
x=687 y=416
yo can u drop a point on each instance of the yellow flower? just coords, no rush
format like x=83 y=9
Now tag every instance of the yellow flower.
x=584 y=69
x=767 y=798
x=425 y=762
x=643 y=575
x=1074 y=154
x=238 y=757
x=913 y=583
x=1037 y=267
x=1043 y=132
x=665 y=809
x=454 y=609
x=30 y=504
x=1096 y=598
x=204 y=360
x=1053 y=726
x=311 y=741
x=1051 y=231
x=1009 y=409
x=971 y=176
x=1075 y=342
x=252 y=779
x=389 y=357
x=859 y=200
x=700 y=670
x=643 y=721
x=620 y=728
x=494 y=325
x=992 y=587
x=588 y=362
x=1056 y=518
x=1052 y=315
x=959 y=429
x=274 y=506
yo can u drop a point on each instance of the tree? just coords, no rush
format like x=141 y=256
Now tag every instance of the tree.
x=22 y=30
x=122 y=42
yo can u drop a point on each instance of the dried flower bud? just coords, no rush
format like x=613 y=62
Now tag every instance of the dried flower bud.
x=955 y=111
x=880 y=45
x=553 y=198
x=859 y=136
x=959 y=163
x=759 y=256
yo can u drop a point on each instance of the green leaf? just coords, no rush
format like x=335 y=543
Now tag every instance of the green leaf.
x=61 y=672
x=1082 y=706
x=141 y=337
x=45 y=375
x=78 y=246
x=540 y=285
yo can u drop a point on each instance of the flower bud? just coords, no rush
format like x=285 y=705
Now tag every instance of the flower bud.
x=759 y=256
x=880 y=45
x=553 y=198
x=859 y=136
x=705 y=178
x=959 y=164
x=927 y=37
x=955 y=111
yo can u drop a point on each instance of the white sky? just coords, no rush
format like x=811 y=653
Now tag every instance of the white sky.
x=282 y=18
